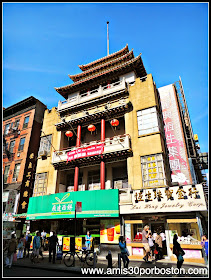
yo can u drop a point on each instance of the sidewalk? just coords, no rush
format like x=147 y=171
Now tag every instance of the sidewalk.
x=101 y=263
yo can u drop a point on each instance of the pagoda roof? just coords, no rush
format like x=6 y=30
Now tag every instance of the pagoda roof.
x=118 y=60
x=104 y=59
x=134 y=64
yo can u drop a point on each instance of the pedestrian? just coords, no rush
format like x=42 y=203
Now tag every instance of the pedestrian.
x=163 y=235
x=12 y=247
x=151 y=245
x=28 y=243
x=205 y=244
x=178 y=251
x=145 y=234
x=21 y=246
x=36 y=248
x=43 y=237
x=158 y=246
x=124 y=252
x=88 y=240
x=53 y=240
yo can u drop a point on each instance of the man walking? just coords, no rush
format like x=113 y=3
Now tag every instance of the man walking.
x=28 y=242
x=53 y=240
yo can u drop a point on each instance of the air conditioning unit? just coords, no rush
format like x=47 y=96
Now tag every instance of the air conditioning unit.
x=18 y=154
x=118 y=184
x=14 y=180
x=43 y=153
x=15 y=128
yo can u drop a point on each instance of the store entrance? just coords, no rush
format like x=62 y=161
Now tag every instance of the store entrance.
x=159 y=227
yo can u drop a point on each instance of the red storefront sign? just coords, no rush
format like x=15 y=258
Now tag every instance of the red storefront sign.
x=85 y=152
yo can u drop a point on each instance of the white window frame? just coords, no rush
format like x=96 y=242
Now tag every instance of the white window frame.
x=45 y=143
x=40 y=176
x=151 y=182
x=7 y=128
x=25 y=124
x=148 y=121
x=13 y=141
x=16 y=171
x=19 y=147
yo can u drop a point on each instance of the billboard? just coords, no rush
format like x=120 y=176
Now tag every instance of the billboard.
x=98 y=203
x=110 y=231
x=178 y=159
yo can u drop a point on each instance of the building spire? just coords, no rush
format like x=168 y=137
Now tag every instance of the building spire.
x=107 y=39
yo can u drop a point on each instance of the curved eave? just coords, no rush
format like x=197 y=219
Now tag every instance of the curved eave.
x=80 y=76
x=135 y=64
x=91 y=64
x=96 y=117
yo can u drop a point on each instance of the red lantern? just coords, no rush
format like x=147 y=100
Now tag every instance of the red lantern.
x=69 y=133
x=115 y=123
x=91 y=128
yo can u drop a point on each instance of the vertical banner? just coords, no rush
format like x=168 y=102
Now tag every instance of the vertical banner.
x=180 y=170
x=66 y=244
x=78 y=243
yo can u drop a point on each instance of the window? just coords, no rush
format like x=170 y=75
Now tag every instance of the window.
x=40 y=185
x=16 y=171
x=12 y=144
x=94 y=180
x=148 y=121
x=16 y=123
x=26 y=121
x=7 y=127
x=45 y=144
x=6 y=173
x=152 y=170
x=21 y=145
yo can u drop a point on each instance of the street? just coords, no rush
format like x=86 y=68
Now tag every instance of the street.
x=16 y=271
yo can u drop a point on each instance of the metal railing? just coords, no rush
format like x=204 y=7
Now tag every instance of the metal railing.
x=86 y=96
x=116 y=143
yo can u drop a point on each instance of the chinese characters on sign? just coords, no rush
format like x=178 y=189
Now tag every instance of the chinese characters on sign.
x=85 y=152
x=27 y=184
x=169 y=199
x=174 y=136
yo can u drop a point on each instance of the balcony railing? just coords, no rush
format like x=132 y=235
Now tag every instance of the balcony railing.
x=116 y=143
x=89 y=95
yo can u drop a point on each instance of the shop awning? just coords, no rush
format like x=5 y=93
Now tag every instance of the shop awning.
x=11 y=187
x=98 y=203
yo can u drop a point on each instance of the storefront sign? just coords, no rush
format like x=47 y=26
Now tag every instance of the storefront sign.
x=172 y=199
x=192 y=254
x=109 y=231
x=128 y=232
x=85 y=152
x=78 y=243
x=99 y=203
x=66 y=244
x=174 y=136
x=5 y=196
x=10 y=206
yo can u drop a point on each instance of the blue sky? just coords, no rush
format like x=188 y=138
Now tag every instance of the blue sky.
x=44 y=42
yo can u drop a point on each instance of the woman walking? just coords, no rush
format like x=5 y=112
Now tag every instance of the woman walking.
x=178 y=251
x=122 y=245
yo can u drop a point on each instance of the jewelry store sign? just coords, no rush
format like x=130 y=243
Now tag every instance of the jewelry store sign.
x=170 y=199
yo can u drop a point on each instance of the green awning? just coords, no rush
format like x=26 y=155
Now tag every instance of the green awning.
x=98 y=203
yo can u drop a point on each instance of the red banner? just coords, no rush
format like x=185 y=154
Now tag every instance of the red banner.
x=85 y=152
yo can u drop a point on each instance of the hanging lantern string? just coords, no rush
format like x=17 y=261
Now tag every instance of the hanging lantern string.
x=113 y=128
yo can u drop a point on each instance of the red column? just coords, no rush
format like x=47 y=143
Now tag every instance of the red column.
x=78 y=143
x=102 y=164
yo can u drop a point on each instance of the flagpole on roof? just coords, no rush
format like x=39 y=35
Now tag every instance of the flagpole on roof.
x=107 y=39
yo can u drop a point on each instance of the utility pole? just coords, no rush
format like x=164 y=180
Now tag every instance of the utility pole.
x=107 y=39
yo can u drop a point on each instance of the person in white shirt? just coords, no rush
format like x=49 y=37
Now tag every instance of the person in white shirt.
x=163 y=236
x=151 y=245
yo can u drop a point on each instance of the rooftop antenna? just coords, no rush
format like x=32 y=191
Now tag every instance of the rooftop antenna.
x=107 y=39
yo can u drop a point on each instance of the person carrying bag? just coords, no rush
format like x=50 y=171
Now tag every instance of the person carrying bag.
x=178 y=251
